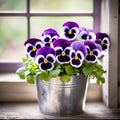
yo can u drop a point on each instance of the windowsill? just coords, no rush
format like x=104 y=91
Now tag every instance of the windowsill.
x=10 y=77
x=96 y=110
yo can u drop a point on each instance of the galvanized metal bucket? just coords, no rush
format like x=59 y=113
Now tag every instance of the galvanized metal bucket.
x=59 y=98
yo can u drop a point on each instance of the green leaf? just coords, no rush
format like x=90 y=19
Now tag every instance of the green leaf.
x=65 y=78
x=100 y=80
x=22 y=76
x=44 y=76
x=30 y=79
x=87 y=71
x=24 y=59
x=77 y=71
x=54 y=73
x=21 y=72
x=69 y=70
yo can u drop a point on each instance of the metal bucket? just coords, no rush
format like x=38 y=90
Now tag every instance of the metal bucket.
x=59 y=98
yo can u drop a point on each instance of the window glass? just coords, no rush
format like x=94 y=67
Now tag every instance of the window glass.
x=62 y=5
x=12 y=5
x=38 y=24
x=13 y=32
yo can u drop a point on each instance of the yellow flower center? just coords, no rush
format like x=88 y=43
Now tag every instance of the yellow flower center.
x=49 y=42
x=76 y=58
x=63 y=54
x=34 y=49
x=91 y=53
x=45 y=61
x=69 y=32
x=102 y=42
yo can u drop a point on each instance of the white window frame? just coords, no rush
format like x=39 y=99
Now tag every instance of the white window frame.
x=109 y=24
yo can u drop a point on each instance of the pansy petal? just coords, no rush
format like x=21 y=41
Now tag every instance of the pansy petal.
x=75 y=30
x=71 y=34
x=39 y=59
x=104 y=47
x=28 y=47
x=79 y=46
x=101 y=36
x=46 y=66
x=72 y=53
x=96 y=52
x=65 y=29
x=83 y=35
x=92 y=45
x=54 y=37
x=49 y=31
x=45 y=51
x=67 y=50
x=106 y=41
x=80 y=55
x=32 y=41
x=60 y=42
x=91 y=59
x=46 y=38
x=38 y=45
x=92 y=36
x=71 y=24
x=76 y=63
x=63 y=59
x=50 y=58
x=32 y=54
x=58 y=50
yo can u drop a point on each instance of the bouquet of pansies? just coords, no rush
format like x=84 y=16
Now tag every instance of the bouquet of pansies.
x=76 y=51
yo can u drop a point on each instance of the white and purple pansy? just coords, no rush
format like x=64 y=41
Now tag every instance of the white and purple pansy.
x=62 y=50
x=103 y=40
x=49 y=35
x=77 y=54
x=70 y=30
x=93 y=50
x=86 y=34
x=45 y=57
x=31 y=46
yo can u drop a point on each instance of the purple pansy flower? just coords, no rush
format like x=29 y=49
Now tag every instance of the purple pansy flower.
x=31 y=46
x=93 y=51
x=103 y=40
x=45 y=57
x=86 y=34
x=49 y=35
x=62 y=49
x=70 y=30
x=77 y=54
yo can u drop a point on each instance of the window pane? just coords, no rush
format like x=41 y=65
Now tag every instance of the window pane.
x=12 y=5
x=38 y=24
x=12 y=35
x=62 y=5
